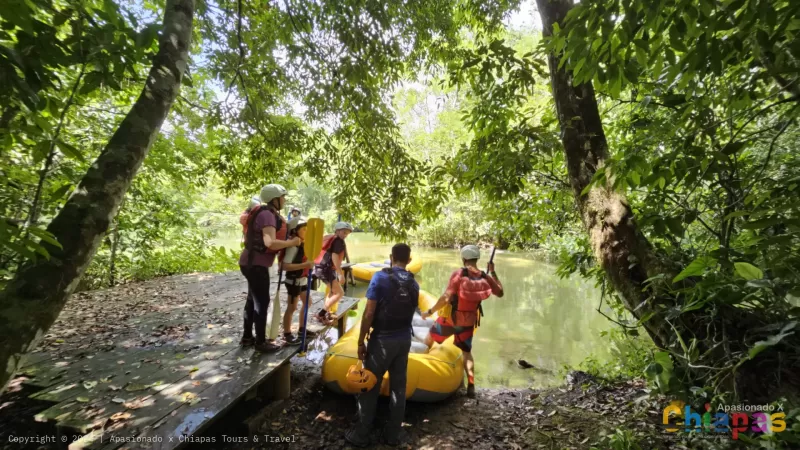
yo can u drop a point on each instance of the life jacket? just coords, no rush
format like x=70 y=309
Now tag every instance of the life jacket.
x=254 y=239
x=396 y=312
x=324 y=253
x=472 y=290
x=299 y=258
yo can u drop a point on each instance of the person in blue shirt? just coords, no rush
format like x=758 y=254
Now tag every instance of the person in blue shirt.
x=392 y=299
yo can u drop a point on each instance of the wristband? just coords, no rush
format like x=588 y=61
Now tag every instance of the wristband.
x=430 y=311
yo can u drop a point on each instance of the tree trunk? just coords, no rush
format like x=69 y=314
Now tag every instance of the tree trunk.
x=621 y=250
x=33 y=299
x=113 y=266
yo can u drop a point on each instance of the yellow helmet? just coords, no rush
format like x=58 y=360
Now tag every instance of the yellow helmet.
x=359 y=379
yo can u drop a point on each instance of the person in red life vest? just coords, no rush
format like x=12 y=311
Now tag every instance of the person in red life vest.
x=468 y=287
x=265 y=234
x=297 y=266
x=328 y=267
x=255 y=202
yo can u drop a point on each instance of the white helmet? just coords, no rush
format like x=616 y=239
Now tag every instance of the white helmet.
x=271 y=192
x=255 y=201
x=342 y=226
x=295 y=222
x=295 y=208
x=470 y=252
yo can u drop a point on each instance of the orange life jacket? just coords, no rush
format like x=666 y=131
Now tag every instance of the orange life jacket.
x=327 y=242
x=472 y=290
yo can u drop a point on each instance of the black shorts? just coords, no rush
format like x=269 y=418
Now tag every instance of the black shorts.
x=294 y=290
x=326 y=273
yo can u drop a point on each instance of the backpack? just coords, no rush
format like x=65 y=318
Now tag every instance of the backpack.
x=396 y=312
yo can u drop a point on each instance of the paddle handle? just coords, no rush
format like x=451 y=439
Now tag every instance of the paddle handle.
x=491 y=258
x=305 y=313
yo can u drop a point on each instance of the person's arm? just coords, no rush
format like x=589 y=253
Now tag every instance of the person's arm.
x=289 y=256
x=290 y=267
x=274 y=244
x=366 y=325
x=337 y=264
x=494 y=282
x=439 y=304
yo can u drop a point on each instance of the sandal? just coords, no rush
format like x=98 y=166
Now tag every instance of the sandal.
x=267 y=347
x=309 y=334
x=289 y=338
x=247 y=342
x=324 y=317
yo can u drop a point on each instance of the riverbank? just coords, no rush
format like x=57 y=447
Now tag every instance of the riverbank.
x=570 y=417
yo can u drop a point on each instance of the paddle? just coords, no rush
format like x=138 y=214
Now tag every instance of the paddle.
x=312 y=246
x=276 y=302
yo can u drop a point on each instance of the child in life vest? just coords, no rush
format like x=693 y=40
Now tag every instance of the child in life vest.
x=297 y=267
x=328 y=267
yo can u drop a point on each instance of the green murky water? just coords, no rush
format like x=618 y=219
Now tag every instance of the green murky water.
x=542 y=319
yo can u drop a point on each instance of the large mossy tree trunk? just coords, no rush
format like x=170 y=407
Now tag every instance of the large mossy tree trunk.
x=625 y=254
x=621 y=250
x=33 y=300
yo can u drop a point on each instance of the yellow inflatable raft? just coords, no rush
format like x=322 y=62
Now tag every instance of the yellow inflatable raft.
x=433 y=375
x=365 y=271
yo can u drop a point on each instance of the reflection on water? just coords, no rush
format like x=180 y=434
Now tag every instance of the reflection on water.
x=542 y=319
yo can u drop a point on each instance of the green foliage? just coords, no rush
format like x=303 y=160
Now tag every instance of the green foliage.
x=619 y=440
x=631 y=354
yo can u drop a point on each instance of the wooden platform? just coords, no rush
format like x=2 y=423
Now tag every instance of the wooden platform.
x=165 y=364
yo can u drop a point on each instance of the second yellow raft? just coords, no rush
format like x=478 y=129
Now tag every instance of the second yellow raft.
x=433 y=375
x=365 y=271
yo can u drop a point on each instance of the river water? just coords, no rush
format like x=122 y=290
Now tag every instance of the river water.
x=547 y=321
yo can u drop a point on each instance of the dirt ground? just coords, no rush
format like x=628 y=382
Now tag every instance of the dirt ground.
x=571 y=417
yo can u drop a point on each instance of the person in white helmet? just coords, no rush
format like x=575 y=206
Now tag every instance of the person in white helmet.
x=468 y=287
x=264 y=236
x=294 y=211
x=297 y=266
x=328 y=267
x=255 y=202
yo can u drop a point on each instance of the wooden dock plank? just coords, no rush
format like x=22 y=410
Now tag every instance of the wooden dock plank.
x=80 y=417
x=183 y=380
x=64 y=371
x=188 y=419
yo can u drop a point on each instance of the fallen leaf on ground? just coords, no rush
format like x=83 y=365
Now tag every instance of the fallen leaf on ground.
x=133 y=387
x=139 y=402
x=121 y=416
x=323 y=417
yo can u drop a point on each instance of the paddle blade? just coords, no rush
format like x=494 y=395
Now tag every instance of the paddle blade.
x=276 y=311
x=313 y=243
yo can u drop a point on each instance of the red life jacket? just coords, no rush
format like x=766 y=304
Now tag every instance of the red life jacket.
x=472 y=290
x=327 y=242
x=254 y=239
